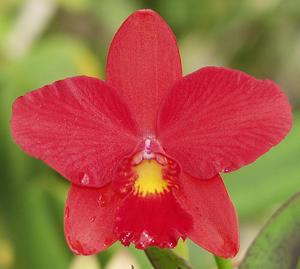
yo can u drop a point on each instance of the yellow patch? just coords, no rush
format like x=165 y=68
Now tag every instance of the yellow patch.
x=150 y=178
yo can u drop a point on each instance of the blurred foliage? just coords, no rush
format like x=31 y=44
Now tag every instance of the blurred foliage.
x=278 y=244
x=165 y=258
x=259 y=37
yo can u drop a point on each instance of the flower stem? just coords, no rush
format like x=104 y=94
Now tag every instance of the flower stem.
x=182 y=250
x=223 y=263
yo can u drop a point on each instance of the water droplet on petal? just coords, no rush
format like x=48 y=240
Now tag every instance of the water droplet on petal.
x=171 y=244
x=126 y=238
x=67 y=212
x=125 y=188
x=85 y=180
x=92 y=219
x=226 y=170
x=101 y=200
x=145 y=240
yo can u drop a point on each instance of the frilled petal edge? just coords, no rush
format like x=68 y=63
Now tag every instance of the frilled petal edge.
x=156 y=220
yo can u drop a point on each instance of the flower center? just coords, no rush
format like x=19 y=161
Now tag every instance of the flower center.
x=148 y=172
x=150 y=179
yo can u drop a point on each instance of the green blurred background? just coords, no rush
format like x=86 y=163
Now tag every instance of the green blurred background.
x=46 y=40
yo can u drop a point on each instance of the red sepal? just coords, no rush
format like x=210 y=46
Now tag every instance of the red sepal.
x=143 y=63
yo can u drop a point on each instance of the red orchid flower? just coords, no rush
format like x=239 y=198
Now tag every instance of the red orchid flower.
x=144 y=149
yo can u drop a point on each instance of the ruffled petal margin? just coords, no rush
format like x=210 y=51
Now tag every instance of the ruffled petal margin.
x=218 y=120
x=156 y=220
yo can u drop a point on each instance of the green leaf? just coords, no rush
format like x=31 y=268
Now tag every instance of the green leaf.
x=223 y=263
x=165 y=258
x=278 y=244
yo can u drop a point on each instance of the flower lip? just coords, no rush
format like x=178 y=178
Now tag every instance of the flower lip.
x=154 y=220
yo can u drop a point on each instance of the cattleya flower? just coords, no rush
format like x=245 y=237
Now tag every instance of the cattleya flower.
x=144 y=149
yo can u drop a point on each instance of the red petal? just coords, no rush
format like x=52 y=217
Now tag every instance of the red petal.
x=156 y=220
x=215 y=226
x=143 y=63
x=89 y=218
x=78 y=126
x=218 y=119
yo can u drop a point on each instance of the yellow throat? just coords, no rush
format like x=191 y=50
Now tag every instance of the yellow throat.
x=150 y=179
